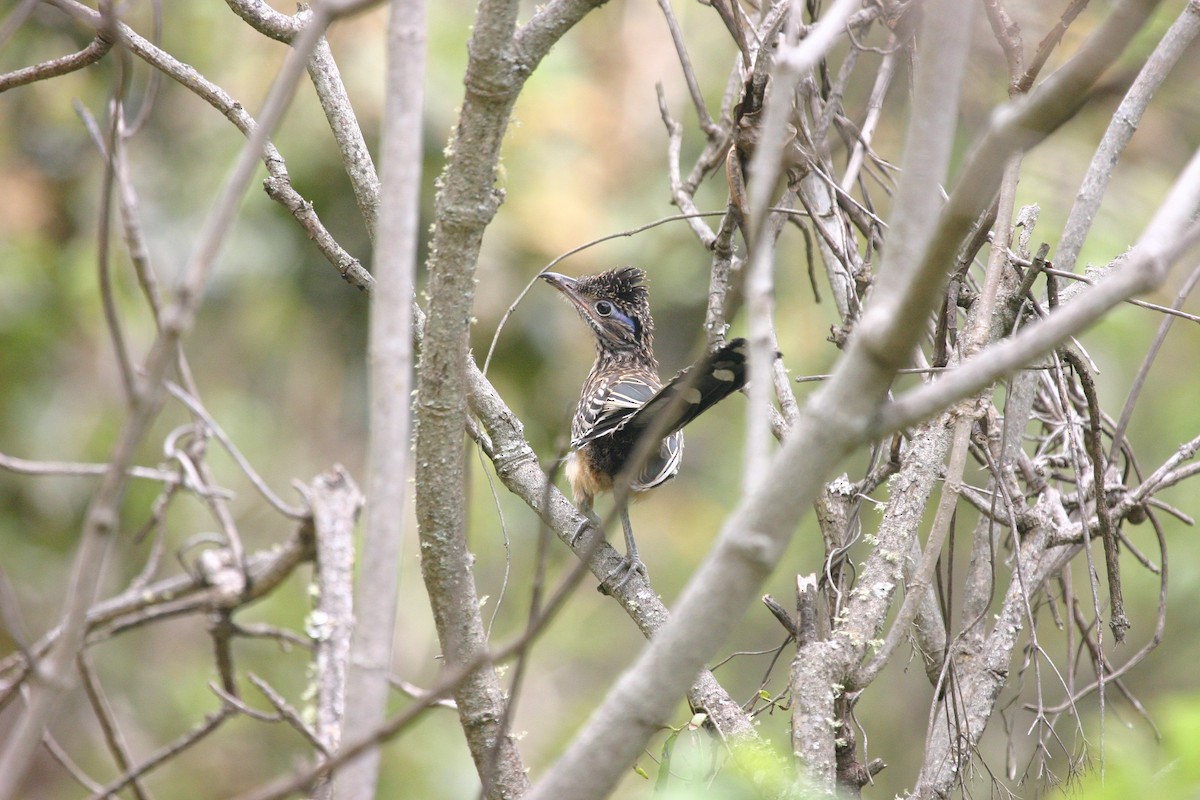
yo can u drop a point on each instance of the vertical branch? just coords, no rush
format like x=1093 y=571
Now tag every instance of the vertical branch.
x=466 y=204
x=1008 y=36
x=335 y=502
x=500 y=59
x=116 y=109
x=981 y=680
x=1095 y=452
x=390 y=360
x=883 y=80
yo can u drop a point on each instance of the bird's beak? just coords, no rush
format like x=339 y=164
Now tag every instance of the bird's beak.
x=561 y=282
x=568 y=287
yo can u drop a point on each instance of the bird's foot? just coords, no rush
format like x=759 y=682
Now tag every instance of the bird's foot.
x=590 y=521
x=622 y=573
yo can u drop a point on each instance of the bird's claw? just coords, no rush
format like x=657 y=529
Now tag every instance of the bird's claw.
x=590 y=520
x=622 y=573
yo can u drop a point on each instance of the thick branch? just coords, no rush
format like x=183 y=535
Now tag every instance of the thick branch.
x=466 y=203
x=390 y=360
x=500 y=61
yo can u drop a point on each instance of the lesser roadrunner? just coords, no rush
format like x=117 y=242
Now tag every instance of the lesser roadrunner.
x=623 y=400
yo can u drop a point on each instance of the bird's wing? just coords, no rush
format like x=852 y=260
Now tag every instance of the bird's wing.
x=606 y=405
x=685 y=396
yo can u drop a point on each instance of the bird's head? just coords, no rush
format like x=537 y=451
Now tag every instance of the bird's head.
x=614 y=304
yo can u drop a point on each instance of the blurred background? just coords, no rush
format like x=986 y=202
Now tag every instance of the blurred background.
x=279 y=356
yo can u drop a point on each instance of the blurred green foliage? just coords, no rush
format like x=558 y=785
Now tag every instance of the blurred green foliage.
x=1137 y=763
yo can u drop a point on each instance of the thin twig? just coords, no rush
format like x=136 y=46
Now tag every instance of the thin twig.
x=1046 y=46
x=288 y=714
x=1120 y=130
x=1095 y=450
x=59 y=754
x=1139 y=380
x=706 y=122
x=22 y=466
x=194 y=405
x=680 y=195
x=108 y=724
x=103 y=263
x=168 y=752
x=89 y=55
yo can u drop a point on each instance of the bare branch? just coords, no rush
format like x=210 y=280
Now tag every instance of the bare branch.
x=108 y=723
x=278 y=183
x=22 y=466
x=182 y=594
x=500 y=59
x=166 y=753
x=752 y=539
x=1151 y=353
x=196 y=408
x=89 y=55
x=1095 y=451
x=288 y=714
x=1120 y=131
x=391 y=359
x=335 y=502
x=327 y=81
x=1048 y=43
x=706 y=121
x=1164 y=241
x=679 y=195
x=1008 y=36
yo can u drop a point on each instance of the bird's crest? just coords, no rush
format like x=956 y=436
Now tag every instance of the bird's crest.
x=626 y=285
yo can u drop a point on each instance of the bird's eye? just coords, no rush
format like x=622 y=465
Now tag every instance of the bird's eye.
x=604 y=308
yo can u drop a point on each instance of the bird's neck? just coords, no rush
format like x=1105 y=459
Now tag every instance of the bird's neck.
x=608 y=357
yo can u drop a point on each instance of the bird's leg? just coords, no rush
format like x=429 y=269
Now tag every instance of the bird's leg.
x=590 y=520
x=632 y=562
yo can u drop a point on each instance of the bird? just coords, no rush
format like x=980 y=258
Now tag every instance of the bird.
x=623 y=400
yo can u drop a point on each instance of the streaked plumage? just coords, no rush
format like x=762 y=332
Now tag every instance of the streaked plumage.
x=623 y=397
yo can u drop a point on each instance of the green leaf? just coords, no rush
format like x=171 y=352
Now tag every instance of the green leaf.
x=664 y=764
